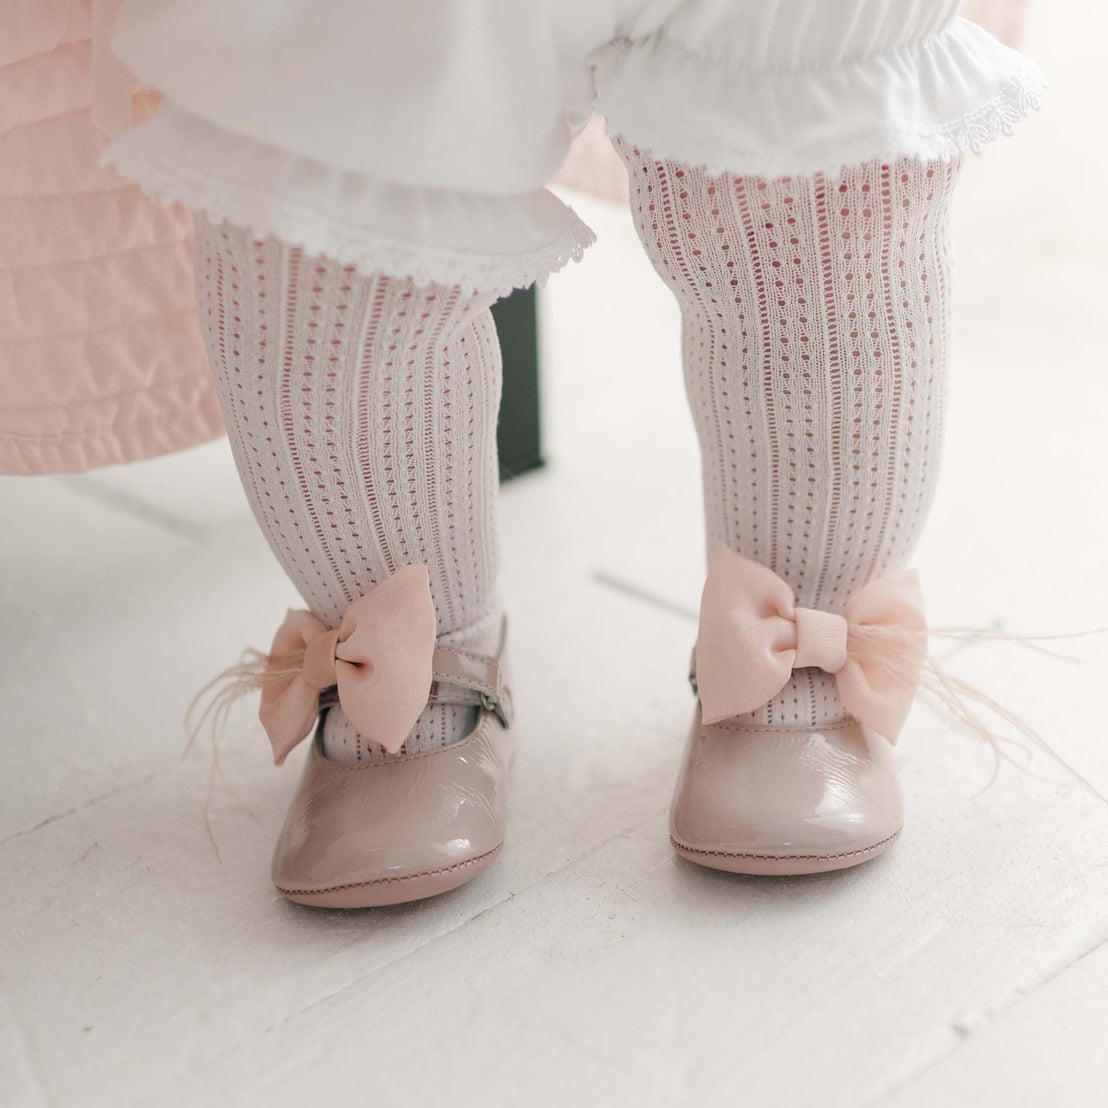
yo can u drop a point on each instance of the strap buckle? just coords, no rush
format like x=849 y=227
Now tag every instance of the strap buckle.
x=495 y=705
x=473 y=678
x=469 y=678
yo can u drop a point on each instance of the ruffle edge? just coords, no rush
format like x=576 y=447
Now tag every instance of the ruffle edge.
x=933 y=100
x=179 y=159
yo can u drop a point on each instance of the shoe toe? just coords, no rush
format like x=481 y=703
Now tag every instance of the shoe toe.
x=780 y=801
x=394 y=831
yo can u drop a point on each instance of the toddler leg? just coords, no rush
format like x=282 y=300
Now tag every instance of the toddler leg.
x=815 y=357
x=362 y=416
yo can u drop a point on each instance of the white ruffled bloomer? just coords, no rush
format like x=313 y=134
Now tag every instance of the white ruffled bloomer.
x=414 y=139
x=930 y=99
x=433 y=235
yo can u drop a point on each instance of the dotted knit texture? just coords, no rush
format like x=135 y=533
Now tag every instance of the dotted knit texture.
x=815 y=342
x=362 y=416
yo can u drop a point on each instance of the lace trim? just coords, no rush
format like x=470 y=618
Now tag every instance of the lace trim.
x=944 y=142
x=998 y=117
x=368 y=250
x=970 y=133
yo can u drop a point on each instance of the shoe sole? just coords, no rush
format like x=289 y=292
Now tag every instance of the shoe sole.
x=780 y=865
x=383 y=891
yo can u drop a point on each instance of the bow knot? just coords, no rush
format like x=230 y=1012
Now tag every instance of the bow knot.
x=752 y=636
x=821 y=639
x=379 y=659
x=319 y=671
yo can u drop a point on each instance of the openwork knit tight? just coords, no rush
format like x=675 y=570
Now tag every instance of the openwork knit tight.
x=362 y=416
x=815 y=355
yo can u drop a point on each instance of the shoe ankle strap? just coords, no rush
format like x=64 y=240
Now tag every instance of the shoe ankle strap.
x=462 y=677
x=466 y=677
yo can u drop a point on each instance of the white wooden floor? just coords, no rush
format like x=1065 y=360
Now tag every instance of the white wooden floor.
x=589 y=966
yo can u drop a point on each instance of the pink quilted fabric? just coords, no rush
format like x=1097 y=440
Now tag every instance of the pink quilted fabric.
x=101 y=359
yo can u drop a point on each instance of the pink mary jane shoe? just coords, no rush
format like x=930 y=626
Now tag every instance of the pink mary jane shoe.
x=784 y=799
x=409 y=826
x=361 y=836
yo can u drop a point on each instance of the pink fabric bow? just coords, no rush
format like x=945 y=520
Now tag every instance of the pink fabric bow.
x=380 y=658
x=752 y=636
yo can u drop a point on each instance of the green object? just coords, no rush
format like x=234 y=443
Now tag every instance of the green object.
x=518 y=431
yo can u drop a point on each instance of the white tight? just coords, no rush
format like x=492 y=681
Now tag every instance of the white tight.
x=815 y=355
x=362 y=416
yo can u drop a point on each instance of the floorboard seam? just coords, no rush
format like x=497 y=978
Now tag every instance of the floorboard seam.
x=648 y=596
x=1001 y=1012
x=92 y=802
x=542 y=878
x=135 y=506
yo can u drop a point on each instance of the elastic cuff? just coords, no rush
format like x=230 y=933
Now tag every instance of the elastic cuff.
x=932 y=99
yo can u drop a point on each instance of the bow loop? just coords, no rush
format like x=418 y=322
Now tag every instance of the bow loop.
x=379 y=659
x=746 y=641
x=886 y=648
x=752 y=636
